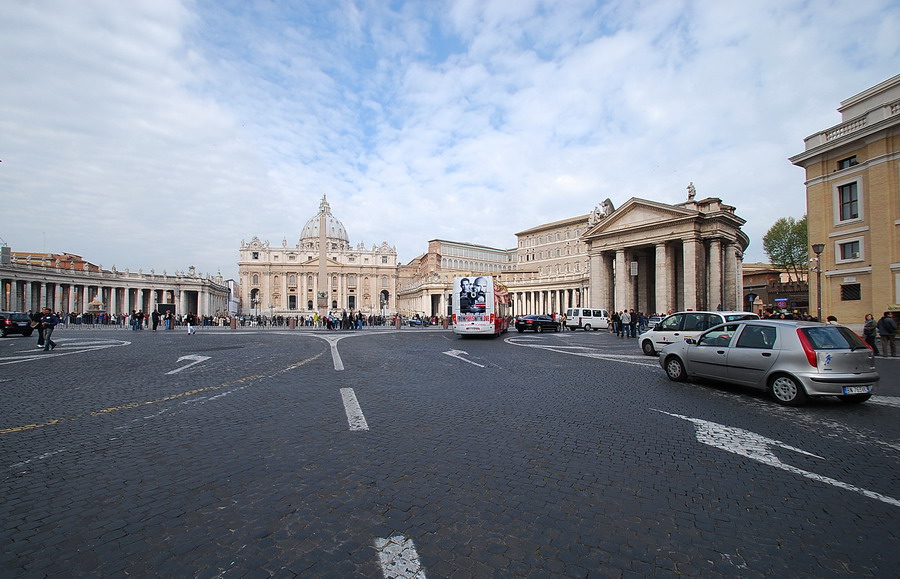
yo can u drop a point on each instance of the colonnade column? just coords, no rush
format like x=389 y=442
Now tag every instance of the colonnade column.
x=661 y=300
x=691 y=267
x=715 y=275
x=734 y=286
x=623 y=278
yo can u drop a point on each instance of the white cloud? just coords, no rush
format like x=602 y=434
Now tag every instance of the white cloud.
x=158 y=134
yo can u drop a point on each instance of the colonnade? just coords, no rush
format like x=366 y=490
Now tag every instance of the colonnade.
x=30 y=287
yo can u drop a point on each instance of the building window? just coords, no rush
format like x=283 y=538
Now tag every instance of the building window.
x=255 y=279
x=848 y=202
x=351 y=281
x=384 y=281
x=384 y=259
x=254 y=255
x=849 y=250
x=847 y=163
x=851 y=292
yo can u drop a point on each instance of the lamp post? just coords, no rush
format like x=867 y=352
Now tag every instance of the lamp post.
x=818 y=248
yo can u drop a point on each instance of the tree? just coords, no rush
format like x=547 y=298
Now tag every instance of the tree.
x=786 y=244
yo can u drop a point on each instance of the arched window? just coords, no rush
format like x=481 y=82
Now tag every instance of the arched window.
x=292 y=280
x=255 y=279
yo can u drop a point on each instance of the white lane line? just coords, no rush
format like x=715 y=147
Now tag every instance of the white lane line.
x=398 y=558
x=354 y=413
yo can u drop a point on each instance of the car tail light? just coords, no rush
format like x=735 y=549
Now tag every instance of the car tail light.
x=454 y=318
x=492 y=318
x=808 y=348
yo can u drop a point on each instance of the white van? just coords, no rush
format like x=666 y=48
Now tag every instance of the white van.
x=587 y=318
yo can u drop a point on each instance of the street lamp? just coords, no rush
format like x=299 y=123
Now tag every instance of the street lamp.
x=818 y=248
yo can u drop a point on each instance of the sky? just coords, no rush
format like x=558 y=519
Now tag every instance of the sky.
x=160 y=134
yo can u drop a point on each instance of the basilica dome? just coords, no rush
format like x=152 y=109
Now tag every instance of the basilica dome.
x=334 y=229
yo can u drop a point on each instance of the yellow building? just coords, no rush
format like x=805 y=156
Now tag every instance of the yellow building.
x=853 y=205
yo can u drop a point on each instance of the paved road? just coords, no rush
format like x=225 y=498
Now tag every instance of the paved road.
x=412 y=453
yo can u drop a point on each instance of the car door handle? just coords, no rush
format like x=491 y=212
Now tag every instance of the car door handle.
x=767 y=354
x=720 y=352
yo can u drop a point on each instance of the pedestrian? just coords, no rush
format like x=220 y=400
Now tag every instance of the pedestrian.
x=616 y=322
x=625 y=324
x=36 y=324
x=154 y=318
x=887 y=328
x=48 y=322
x=190 y=320
x=829 y=320
x=870 y=330
x=632 y=327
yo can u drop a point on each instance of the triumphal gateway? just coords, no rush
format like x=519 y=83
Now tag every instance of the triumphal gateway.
x=285 y=280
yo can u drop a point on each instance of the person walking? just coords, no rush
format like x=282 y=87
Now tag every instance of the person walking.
x=36 y=324
x=154 y=318
x=625 y=323
x=48 y=322
x=190 y=320
x=870 y=330
x=887 y=328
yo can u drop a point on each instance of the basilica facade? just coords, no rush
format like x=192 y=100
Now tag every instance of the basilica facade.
x=285 y=280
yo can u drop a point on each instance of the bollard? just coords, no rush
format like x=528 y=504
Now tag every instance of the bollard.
x=233 y=322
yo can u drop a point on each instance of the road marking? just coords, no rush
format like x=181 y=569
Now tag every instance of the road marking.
x=138 y=404
x=335 y=355
x=757 y=447
x=66 y=347
x=457 y=354
x=398 y=558
x=197 y=360
x=354 y=412
x=585 y=352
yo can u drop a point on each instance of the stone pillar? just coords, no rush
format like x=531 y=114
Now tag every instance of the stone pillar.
x=690 y=267
x=624 y=290
x=734 y=283
x=715 y=275
x=661 y=300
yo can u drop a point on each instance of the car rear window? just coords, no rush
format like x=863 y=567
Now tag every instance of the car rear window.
x=20 y=317
x=738 y=317
x=833 y=338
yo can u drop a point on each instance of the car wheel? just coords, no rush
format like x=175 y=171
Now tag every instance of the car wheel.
x=787 y=391
x=557 y=328
x=539 y=329
x=647 y=347
x=587 y=327
x=675 y=369
x=3 y=333
x=855 y=398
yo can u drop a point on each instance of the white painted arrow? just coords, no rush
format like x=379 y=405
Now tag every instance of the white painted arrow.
x=758 y=447
x=456 y=354
x=197 y=359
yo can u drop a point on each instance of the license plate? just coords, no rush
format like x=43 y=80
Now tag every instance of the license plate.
x=856 y=389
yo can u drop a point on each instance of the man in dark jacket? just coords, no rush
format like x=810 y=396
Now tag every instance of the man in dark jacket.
x=48 y=323
x=887 y=328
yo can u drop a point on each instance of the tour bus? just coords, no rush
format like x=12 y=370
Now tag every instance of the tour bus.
x=480 y=306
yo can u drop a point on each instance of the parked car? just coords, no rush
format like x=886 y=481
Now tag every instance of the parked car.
x=15 y=323
x=652 y=321
x=587 y=318
x=792 y=360
x=678 y=326
x=536 y=323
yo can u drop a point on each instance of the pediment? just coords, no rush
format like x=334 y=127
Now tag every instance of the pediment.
x=639 y=213
x=329 y=261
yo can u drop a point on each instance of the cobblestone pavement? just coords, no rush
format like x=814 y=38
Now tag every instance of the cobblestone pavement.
x=412 y=453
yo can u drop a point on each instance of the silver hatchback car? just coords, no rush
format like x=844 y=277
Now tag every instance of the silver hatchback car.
x=792 y=360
